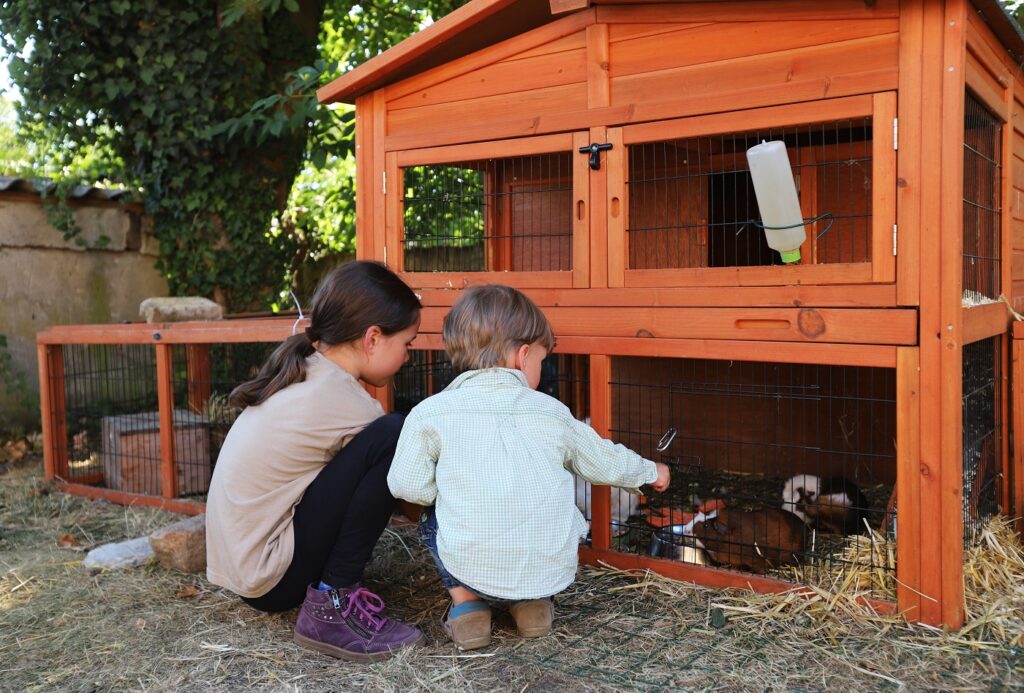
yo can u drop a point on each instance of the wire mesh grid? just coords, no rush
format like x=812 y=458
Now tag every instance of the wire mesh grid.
x=511 y=214
x=692 y=201
x=787 y=462
x=983 y=136
x=112 y=420
x=981 y=434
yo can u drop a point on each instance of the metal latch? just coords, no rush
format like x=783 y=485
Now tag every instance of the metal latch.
x=595 y=153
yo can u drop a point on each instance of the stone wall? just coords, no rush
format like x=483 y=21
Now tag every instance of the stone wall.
x=45 y=280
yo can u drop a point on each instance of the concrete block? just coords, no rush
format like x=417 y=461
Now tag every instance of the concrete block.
x=180 y=309
x=181 y=546
x=124 y=554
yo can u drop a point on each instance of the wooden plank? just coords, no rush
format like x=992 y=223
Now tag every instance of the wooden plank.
x=471 y=112
x=908 y=460
x=394 y=221
x=862 y=296
x=775 y=70
x=982 y=322
x=625 y=11
x=200 y=377
x=58 y=409
x=951 y=358
x=377 y=180
x=590 y=240
x=598 y=67
x=712 y=577
x=563 y=6
x=883 y=189
x=985 y=87
x=504 y=77
x=600 y=420
x=46 y=409
x=984 y=47
x=563 y=34
x=837 y=273
x=750 y=119
x=826 y=325
x=1004 y=424
x=172 y=505
x=165 y=400
x=222 y=331
x=365 y=152
x=1016 y=509
x=459 y=280
x=485 y=150
x=703 y=44
x=618 y=209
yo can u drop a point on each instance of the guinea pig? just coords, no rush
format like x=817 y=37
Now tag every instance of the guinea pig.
x=753 y=540
x=833 y=504
x=624 y=504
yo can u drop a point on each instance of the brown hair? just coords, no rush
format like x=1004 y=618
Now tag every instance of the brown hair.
x=488 y=322
x=350 y=299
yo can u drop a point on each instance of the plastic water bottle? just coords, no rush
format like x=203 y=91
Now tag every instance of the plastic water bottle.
x=777 y=199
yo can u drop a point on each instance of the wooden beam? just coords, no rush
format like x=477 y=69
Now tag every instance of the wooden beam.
x=982 y=322
x=200 y=376
x=601 y=421
x=563 y=6
x=908 y=493
x=173 y=505
x=165 y=400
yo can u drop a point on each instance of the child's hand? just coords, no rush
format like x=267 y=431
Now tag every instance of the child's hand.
x=664 y=477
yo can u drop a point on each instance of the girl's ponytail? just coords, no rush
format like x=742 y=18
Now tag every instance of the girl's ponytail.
x=350 y=299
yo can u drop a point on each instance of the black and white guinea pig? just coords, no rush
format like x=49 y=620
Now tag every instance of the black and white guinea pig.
x=832 y=504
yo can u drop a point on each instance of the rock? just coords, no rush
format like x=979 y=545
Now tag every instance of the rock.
x=180 y=309
x=181 y=546
x=124 y=554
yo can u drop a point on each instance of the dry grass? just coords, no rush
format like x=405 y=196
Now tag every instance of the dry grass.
x=152 y=629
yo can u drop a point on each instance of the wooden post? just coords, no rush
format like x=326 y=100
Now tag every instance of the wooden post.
x=601 y=420
x=908 y=464
x=1016 y=508
x=53 y=410
x=200 y=385
x=165 y=400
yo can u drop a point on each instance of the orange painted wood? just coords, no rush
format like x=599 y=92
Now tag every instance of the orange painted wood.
x=627 y=32
x=590 y=241
x=839 y=296
x=394 y=221
x=200 y=385
x=1004 y=424
x=445 y=30
x=1016 y=509
x=951 y=359
x=839 y=273
x=908 y=461
x=377 y=180
x=984 y=85
x=621 y=11
x=172 y=505
x=58 y=410
x=598 y=67
x=600 y=420
x=775 y=71
x=549 y=69
x=826 y=325
x=562 y=6
x=364 y=178
x=485 y=150
x=459 y=280
x=222 y=331
x=702 y=44
x=713 y=577
x=165 y=400
x=982 y=322
x=883 y=189
x=472 y=112
x=984 y=45
x=47 y=418
x=1006 y=196
x=750 y=119
x=617 y=210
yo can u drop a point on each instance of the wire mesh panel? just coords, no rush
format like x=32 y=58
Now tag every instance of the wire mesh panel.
x=788 y=464
x=692 y=201
x=983 y=136
x=510 y=214
x=981 y=434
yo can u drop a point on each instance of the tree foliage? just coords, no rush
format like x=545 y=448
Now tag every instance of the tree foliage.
x=209 y=111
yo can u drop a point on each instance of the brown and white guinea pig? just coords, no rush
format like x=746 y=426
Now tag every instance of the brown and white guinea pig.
x=753 y=540
x=624 y=504
x=832 y=504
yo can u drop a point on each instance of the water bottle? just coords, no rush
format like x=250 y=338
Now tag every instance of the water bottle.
x=776 y=198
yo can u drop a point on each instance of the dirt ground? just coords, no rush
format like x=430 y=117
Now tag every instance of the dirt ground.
x=150 y=629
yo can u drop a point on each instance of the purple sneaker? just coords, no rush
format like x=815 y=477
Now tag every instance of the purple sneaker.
x=348 y=623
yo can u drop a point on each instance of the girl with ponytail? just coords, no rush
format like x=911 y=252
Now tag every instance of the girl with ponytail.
x=299 y=494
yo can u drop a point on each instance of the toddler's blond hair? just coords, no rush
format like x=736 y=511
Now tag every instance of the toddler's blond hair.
x=490 y=321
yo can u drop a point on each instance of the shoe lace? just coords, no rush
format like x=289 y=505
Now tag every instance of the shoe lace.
x=365 y=605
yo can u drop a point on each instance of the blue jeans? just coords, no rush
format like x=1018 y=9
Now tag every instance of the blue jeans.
x=428 y=533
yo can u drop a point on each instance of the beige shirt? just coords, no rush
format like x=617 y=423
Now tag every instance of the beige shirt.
x=496 y=458
x=270 y=456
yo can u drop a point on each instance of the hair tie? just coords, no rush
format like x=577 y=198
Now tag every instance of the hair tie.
x=311 y=334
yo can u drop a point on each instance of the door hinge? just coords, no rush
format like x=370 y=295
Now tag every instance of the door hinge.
x=384 y=182
x=894 y=240
x=895 y=133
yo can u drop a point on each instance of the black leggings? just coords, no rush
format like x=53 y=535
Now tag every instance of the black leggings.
x=340 y=517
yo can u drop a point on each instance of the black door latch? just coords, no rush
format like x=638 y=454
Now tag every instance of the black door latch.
x=595 y=156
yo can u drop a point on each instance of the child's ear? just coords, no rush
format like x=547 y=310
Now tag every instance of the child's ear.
x=371 y=337
x=521 y=353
